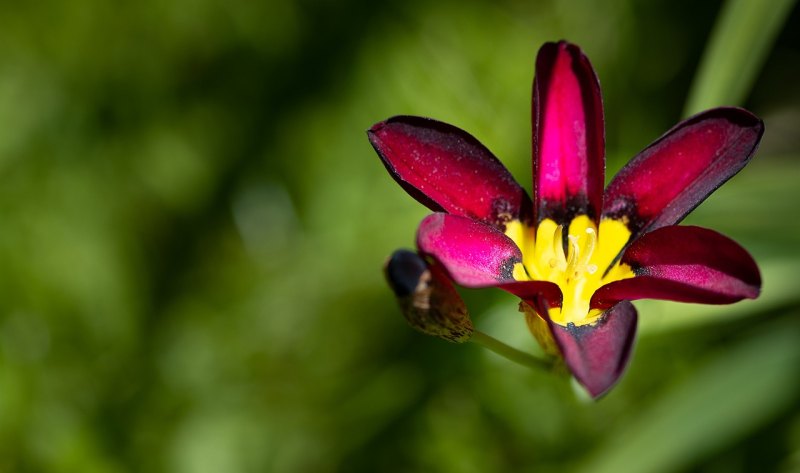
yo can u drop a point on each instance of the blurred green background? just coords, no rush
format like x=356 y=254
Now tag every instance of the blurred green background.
x=193 y=224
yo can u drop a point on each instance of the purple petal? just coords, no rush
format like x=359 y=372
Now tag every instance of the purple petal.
x=675 y=174
x=474 y=253
x=597 y=354
x=568 y=135
x=446 y=169
x=687 y=264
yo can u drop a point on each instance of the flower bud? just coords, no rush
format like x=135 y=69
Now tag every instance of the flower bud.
x=427 y=297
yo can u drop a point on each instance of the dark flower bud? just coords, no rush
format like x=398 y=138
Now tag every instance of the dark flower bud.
x=427 y=297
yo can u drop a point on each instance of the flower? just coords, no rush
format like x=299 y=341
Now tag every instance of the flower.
x=574 y=254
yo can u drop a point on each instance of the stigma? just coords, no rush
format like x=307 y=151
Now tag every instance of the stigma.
x=579 y=258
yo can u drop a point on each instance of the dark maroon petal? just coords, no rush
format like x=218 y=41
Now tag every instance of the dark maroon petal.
x=687 y=264
x=474 y=253
x=675 y=174
x=597 y=354
x=531 y=291
x=568 y=135
x=446 y=169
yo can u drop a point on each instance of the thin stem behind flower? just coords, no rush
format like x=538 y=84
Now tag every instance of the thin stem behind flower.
x=510 y=353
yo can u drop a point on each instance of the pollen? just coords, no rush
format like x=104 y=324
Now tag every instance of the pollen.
x=579 y=258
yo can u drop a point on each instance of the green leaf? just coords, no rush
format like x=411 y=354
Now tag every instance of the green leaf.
x=731 y=393
x=739 y=44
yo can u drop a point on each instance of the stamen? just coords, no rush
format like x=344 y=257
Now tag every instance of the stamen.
x=573 y=258
x=580 y=255
x=588 y=246
x=574 y=262
x=558 y=242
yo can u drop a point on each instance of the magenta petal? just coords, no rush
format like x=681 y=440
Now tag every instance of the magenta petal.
x=687 y=264
x=598 y=354
x=676 y=173
x=531 y=291
x=478 y=255
x=475 y=254
x=447 y=169
x=568 y=135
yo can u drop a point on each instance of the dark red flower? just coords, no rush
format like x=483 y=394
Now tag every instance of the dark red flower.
x=576 y=254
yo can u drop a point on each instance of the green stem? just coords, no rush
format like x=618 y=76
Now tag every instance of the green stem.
x=509 y=353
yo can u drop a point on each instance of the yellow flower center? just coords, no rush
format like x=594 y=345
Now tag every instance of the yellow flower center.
x=579 y=263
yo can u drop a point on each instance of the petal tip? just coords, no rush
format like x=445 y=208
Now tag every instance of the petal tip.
x=561 y=44
x=739 y=115
x=598 y=354
x=373 y=131
x=380 y=126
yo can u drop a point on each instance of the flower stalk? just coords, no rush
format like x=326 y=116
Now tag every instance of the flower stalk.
x=510 y=353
